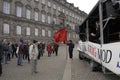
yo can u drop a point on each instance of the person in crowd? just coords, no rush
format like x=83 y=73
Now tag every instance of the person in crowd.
x=49 y=48
x=9 y=51
x=56 y=46
x=40 y=50
x=5 y=51
x=1 y=54
x=33 y=53
x=26 y=52
x=53 y=46
x=43 y=47
x=20 y=52
x=14 y=48
x=70 y=49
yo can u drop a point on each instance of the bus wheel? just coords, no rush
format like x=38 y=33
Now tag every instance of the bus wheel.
x=80 y=56
x=93 y=65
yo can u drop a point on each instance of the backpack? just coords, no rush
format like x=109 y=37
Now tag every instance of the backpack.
x=21 y=48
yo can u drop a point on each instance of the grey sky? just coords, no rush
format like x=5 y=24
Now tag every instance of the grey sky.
x=84 y=5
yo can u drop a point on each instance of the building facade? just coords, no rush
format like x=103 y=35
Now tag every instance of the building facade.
x=38 y=19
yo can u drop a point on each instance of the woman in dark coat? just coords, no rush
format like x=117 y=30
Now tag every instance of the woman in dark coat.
x=70 y=49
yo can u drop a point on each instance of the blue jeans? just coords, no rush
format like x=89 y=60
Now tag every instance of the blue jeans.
x=5 y=54
x=20 y=56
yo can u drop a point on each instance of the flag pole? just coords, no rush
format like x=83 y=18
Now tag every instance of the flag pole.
x=66 y=53
x=66 y=47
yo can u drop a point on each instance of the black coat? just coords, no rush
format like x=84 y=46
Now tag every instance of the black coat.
x=98 y=33
x=71 y=46
x=56 y=47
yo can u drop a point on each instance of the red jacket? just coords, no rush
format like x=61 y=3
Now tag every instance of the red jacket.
x=49 y=47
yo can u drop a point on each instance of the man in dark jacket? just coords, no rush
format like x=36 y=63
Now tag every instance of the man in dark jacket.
x=1 y=52
x=71 y=46
x=40 y=50
x=14 y=48
x=20 y=52
x=56 y=46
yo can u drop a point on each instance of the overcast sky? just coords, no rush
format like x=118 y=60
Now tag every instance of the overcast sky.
x=84 y=5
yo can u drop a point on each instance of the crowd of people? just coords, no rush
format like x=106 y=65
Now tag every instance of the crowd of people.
x=30 y=51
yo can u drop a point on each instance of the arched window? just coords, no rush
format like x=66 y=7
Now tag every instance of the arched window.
x=6 y=7
x=18 y=6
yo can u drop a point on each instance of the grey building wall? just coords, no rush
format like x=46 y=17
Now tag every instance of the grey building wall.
x=74 y=17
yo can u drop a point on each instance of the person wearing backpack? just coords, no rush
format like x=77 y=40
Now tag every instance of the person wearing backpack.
x=20 y=52
x=33 y=53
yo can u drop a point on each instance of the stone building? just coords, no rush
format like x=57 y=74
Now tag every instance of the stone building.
x=38 y=19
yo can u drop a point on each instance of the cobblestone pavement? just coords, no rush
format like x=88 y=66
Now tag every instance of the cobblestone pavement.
x=81 y=71
x=53 y=68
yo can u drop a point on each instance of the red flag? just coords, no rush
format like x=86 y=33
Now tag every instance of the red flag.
x=60 y=35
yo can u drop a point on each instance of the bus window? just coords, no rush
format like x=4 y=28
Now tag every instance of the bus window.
x=95 y=32
x=114 y=30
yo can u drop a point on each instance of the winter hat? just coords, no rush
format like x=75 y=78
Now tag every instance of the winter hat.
x=35 y=41
x=21 y=40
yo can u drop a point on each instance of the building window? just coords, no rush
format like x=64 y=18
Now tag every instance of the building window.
x=49 y=20
x=43 y=17
x=66 y=12
x=28 y=31
x=54 y=20
x=43 y=1
x=69 y=35
x=73 y=36
x=36 y=0
x=6 y=7
x=19 y=11
x=58 y=8
x=6 y=28
x=49 y=4
x=36 y=4
x=28 y=14
x=73 y=27
x=54 y=6
x=76 y=36
x=36 y=16
x=36 y=32
x=18 y=30
x=49 y=33
x=43 y=32
x=63 y=10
